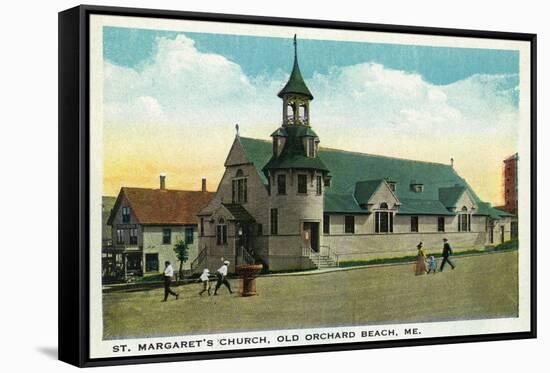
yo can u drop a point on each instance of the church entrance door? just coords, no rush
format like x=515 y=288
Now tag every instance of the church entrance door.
x=310 y=235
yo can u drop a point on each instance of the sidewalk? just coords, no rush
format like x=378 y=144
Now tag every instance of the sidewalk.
x=310 y=272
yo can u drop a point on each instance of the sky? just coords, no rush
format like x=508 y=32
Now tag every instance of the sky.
x=172 y=99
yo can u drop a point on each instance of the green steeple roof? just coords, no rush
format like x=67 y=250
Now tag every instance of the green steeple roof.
x=296 y=84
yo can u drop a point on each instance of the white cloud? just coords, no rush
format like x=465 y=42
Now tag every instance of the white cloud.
x=182 y=85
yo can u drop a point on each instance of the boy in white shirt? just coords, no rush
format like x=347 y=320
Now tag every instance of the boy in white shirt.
x=205 y=281
x=168 y=274
x=221 y=276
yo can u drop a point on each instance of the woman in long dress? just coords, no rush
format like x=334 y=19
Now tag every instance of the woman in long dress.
x=420 y=265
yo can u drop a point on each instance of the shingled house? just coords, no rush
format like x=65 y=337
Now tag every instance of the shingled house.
x=147 y=223
x=291 y=204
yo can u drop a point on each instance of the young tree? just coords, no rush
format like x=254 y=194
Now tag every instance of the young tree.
x=182 y=252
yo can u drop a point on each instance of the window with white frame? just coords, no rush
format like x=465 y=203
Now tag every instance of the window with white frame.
x=133 y=236
x=239 y=192
x=120 y=236
x=383 y=219
x=319 y=185
x=126 y=213
x=464 y=220
x=221 y=232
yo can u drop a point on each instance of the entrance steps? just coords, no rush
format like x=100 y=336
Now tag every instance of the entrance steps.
x=323 y=261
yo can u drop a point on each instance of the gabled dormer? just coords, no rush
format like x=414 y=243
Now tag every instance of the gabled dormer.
x=376 y=194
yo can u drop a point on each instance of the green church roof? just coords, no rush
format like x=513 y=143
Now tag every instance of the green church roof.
x=349 y=168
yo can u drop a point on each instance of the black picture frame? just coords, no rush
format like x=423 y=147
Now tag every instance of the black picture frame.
x=74 y=190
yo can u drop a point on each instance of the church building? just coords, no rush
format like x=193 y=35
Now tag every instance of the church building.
x=292 y=204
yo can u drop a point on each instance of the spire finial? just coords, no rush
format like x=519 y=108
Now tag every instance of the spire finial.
x=295 y=48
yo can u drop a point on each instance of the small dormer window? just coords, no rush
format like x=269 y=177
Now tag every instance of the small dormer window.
x=417 y=187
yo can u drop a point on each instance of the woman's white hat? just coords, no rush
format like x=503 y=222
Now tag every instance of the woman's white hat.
x=226 y=262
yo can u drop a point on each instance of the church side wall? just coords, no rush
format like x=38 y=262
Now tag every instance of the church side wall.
x=371 y=246
x=365 y=244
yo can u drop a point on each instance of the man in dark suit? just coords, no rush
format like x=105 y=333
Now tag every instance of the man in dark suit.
x=447 y=252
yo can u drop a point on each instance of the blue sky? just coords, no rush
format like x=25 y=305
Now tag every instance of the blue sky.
x=418 y=102
x=264 y=55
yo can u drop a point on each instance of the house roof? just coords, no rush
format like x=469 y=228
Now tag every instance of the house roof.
x=349 y=168
x=163 y=207
x=238 y=212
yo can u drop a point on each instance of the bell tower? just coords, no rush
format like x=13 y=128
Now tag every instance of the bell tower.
x=296 y=96
x=297 y=178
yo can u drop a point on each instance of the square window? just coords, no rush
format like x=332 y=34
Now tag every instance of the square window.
x=151 y=262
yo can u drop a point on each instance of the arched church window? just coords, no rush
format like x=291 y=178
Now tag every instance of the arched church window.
x=464 y=220
x=383 y=206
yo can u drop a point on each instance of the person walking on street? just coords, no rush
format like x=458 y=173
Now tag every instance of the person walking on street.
x=447 y=252
x=168 y=274
x=205 y=281
x=221 y=276
x=420 y=265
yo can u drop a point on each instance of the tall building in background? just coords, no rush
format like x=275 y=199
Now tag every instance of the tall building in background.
x=511 y=184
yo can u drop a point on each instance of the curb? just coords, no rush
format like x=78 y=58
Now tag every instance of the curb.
x=337 y=269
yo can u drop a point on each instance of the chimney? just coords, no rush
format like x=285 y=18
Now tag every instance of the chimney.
x=203 y=184
x=162 y=181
